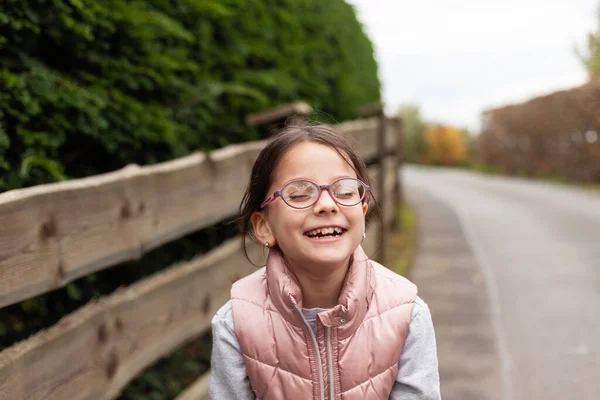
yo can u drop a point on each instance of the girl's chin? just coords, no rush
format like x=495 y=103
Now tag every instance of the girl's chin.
x=329 y=256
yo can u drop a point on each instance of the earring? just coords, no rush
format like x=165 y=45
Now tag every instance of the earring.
x=364 y=237
x=267 y=244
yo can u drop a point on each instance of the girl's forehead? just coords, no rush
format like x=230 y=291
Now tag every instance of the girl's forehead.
x=312 y=161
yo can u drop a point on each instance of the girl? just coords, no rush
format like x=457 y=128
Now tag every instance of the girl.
x=321 y=320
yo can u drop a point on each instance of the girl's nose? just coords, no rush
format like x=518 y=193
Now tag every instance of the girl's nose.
x=325 y=203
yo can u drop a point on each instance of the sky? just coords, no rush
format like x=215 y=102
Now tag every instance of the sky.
x=456 y=58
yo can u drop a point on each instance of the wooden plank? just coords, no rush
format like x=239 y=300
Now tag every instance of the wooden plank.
x=94 y=352
x=372 y=244
x=198 y=390
x=53 y=234
x=391 y=141
x=388 y=205
x=363 y=136
x=372 y=109
x=278 y=113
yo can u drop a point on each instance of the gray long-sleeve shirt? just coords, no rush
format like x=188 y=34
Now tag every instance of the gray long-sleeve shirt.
x=418 y=377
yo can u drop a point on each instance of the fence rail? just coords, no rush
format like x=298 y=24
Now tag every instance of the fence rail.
x=53 y=234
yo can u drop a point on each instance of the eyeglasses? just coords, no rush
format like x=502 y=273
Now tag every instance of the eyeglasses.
x=303 y=193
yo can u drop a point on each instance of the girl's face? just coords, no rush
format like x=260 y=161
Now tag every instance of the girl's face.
x=289 y=227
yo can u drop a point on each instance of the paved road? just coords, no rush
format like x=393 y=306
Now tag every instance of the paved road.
x=537 y=249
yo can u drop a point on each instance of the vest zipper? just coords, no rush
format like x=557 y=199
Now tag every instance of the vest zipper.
x=312 y=335
x=330 y=362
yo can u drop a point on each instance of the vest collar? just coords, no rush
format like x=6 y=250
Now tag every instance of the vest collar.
x=353 y=302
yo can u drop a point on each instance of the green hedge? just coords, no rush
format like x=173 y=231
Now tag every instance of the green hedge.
x=89 y=86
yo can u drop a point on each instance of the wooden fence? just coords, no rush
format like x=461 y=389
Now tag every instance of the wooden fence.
x=53 y=234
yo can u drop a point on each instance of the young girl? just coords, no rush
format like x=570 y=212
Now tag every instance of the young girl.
x=321 y=320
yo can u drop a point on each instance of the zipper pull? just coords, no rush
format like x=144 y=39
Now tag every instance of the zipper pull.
x=294 y=302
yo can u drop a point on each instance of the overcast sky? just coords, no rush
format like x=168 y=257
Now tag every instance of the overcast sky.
x=455 y=58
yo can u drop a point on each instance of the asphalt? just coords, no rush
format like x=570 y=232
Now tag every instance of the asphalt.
x=511 y=270
x=452 y=284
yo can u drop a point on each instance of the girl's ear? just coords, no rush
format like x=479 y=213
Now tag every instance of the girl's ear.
x=261 y=227
x=365 y=207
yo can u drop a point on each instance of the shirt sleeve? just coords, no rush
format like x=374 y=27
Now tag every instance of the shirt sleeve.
x=418 y=375
x=228 y=379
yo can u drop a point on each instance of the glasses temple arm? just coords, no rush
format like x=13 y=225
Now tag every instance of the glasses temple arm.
x=270 y=199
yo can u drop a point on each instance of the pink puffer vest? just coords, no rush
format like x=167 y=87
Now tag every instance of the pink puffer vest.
x=357 y=346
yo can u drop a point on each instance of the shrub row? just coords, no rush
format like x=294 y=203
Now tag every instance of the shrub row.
x=556 y=135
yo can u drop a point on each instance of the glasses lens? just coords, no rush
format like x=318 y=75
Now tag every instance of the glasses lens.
x=300 y=194
x=348 y=191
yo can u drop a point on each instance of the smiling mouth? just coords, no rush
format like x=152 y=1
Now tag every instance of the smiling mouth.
x=325 y=232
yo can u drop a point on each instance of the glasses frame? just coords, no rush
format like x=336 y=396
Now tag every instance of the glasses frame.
x=277 y=193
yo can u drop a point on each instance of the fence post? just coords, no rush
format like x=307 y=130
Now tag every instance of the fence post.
x=398 y=186
x=377 y=110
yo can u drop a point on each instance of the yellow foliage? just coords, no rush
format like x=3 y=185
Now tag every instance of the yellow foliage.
x=445 y=145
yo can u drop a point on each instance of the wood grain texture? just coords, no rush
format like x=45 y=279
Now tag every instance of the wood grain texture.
x=94 y=352
x=363 y=135
x=53 y=234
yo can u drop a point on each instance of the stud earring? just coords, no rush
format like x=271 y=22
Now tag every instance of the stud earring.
x=364 y=237
x=267 y=244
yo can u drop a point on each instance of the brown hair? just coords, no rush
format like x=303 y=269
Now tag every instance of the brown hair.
x=298 y=131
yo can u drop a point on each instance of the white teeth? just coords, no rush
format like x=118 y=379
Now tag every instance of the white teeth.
x=325 y=231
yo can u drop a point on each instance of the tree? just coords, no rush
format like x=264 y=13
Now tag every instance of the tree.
x=591 y=58
x=446 y=145
x=414 y=127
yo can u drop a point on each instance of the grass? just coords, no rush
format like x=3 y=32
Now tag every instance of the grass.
x=595 y=187
x=402 y=242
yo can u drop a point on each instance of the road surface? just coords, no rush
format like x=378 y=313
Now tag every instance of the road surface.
x=526 y=267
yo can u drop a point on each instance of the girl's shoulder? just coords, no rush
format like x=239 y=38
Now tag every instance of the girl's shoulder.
x=394 y=288
x=223 y=319
x=420 y=307
x=382 y=271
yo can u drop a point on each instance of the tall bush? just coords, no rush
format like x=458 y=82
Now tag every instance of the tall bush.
x=414 y=130
x=88 y=86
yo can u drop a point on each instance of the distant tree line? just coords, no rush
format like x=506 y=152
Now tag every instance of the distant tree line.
x=550 y=136
x=433 y=143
